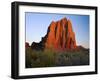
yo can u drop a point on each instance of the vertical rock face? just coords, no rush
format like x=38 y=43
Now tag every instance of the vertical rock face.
x=60 y=35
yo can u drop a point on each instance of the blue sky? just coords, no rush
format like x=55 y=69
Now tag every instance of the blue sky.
x=37 y=25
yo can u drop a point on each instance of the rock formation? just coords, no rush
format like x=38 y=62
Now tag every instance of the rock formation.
x=27 y=44
x=60 y=36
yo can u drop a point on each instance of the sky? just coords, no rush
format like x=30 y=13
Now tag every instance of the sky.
x=37 y=25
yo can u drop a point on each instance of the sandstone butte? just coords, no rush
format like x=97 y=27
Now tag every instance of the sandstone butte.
x=60 y=36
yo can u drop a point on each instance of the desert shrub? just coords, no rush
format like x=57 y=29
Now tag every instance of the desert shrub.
x=39 y=58
x=28 y=57
x=62 y=60
x=50 y=58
